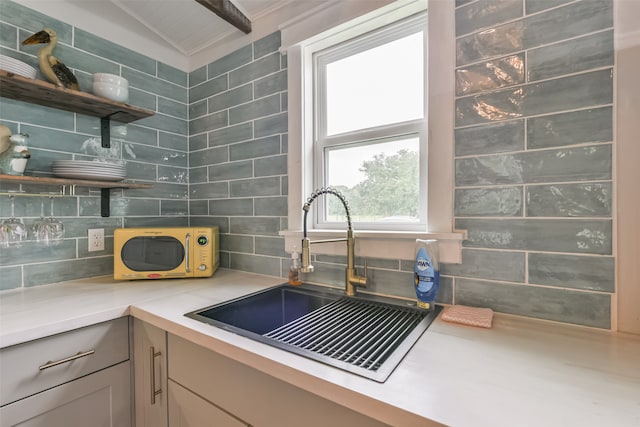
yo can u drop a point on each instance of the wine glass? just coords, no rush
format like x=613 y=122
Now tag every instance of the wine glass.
x=13 y=231
x=51 y=230
x=39 y=228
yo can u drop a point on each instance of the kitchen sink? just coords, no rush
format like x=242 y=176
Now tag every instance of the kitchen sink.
x=367 y=335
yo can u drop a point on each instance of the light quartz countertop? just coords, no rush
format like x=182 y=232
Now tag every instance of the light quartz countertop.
x=521 y=372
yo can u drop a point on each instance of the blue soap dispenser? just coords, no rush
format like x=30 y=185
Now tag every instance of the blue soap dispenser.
x=426 y=273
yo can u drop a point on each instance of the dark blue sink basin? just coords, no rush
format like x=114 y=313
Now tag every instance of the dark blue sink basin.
x=367 y=335
x=266 y=310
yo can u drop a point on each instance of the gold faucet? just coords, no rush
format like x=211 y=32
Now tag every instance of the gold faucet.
x=352 y=280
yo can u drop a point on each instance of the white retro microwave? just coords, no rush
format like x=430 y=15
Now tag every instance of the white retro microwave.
x=163 y=252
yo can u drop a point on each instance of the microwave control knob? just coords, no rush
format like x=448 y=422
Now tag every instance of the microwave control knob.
x=202 y=267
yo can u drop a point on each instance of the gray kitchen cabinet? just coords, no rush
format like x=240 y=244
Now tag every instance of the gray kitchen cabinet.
x=247 y=394
x=80 y=377
x=150 y=374
x=100 y=399
x=187 y=409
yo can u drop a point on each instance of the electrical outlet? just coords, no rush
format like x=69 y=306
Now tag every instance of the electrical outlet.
x=96 y=239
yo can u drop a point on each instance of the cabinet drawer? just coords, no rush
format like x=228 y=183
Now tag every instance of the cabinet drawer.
x=32 y=367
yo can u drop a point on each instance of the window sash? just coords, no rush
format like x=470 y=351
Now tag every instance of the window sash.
x=322 y=141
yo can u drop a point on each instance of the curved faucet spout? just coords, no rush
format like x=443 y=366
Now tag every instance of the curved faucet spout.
x=319 y=192
x=351 y=278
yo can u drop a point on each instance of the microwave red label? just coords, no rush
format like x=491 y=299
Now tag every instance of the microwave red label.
x=154 y=276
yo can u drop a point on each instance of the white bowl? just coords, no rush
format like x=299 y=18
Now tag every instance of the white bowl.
x=114 y=92
x=110 y=78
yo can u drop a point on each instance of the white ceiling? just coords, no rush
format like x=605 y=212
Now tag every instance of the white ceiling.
x=187 y=25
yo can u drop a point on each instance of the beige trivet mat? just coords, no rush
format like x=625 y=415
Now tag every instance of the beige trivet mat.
x=472 y=316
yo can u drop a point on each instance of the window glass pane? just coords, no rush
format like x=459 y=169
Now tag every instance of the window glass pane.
x=376 y=87
x=379 y=180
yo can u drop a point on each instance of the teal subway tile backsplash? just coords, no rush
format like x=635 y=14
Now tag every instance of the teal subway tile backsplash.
x=34 y=114
x=229 y=62
x=232 y=170
x=572 y=20
x=502 y=201
x=210 y=156
x=229 y=207
x=565 y=164
x=8 y=36
x=209 y=190
x=209 y=122
x=230 y=98
x=573 y=56
x=44 y=273
x=271 y=206
x=268 y=166
x=256 y=109
x=231 y=134
x=257 y=226
x=271 y=246
x=533 y=6
x=197 y=76
x=488 y=264
x=572 y=271
x=254 y=70
x=276 y=124
x=569 y=200
x=172 y=74
x=582 y=308
x=236 y=243
x=208 y=88
x=266 y=45
x=172 y=108
x=566 y=93
x=262 y=147
x=490 y=138
x=11 y=278
x=255 y=263
x=486 y=13
x=501 y=40
x=119 y=54
x=591 y=236
x=271 y=84
x=490 y=75
x=576 y=127
x=255 y=186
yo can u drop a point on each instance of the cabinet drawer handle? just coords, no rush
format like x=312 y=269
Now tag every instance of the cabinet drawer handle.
x=154 y=392
x=79 y=355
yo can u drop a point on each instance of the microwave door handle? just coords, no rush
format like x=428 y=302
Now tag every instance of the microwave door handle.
x=188 y=245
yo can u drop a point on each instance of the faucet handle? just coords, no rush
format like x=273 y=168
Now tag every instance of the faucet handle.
x=306 y=266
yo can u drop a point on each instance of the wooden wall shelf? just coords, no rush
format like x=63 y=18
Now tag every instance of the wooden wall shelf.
x=49 y=95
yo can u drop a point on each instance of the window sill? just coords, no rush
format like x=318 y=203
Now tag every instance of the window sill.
x=380 y=244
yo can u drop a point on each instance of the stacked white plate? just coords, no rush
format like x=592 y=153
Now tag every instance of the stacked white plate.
x=14 y=66
x=84 y=169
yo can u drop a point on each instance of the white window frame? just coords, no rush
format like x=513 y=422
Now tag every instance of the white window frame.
x=308 y=33
x=417 y=128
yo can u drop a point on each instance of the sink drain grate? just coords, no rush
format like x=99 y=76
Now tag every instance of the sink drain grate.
x=357 y=332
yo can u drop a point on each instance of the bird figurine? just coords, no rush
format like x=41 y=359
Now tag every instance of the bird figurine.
x=52 y=68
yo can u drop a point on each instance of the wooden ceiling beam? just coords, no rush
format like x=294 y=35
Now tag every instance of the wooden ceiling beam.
x=226 y=10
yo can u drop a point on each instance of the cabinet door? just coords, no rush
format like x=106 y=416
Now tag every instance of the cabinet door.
x=150 y=367
x=102 y=399
x=190 y=410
